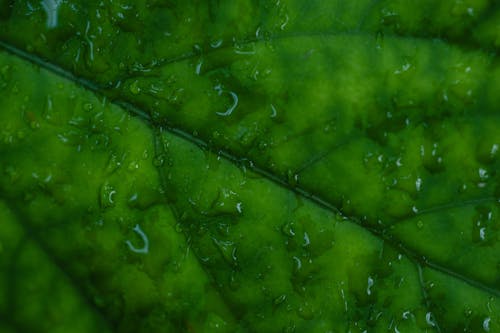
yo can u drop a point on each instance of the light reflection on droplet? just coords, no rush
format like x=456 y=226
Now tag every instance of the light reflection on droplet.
x=429 y=319
x=274 y=112
x=89 y=42
x=406 y=315
x=240 y=50
x=230 y=110
x=418 y=184
x=257 y=33
x=217 y=43
x=483 y=174
x=306 y=239
x=370 y=285
x=486 y=324
x=145 y=248
x=51 y=8
x=198 y=67
x=298 y=263
x=284 y=24
x=482 y=233
x=494 y=149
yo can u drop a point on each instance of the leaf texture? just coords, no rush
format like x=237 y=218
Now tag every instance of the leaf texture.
x=260 y=166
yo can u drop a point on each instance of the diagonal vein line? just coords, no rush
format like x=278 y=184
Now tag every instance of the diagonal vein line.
x=427 y=298
x=50 y=66
x=463 y=278
x=29 y=233
x=242 y=162
x=157 y=132
x=446 y=206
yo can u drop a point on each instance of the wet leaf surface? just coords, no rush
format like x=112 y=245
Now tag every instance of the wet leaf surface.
x=249 y=166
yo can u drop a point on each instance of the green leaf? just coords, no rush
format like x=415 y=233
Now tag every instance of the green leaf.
x=249 y=166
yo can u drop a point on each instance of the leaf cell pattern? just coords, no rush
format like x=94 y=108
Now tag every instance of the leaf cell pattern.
x=249 y=166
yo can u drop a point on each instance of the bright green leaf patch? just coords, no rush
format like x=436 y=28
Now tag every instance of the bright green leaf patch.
x=249 y=166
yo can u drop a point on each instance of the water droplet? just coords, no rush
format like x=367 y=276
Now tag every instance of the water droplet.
x=244 y=49
x=482 y=232
x=114 y=162
x=196 y=47
x=89 y=42
x=239 y=207
x=133 y=198
x=132 y=166
x=51 y=8
x=227 y=249
x=217 y=43
x=285 y=22
x=134 y=87
x=280 y=299
x=107 y=196
x=230 y=110
x=483 y=227
x=429 y=319
x=145 y=248
x=298 y=264
x=226 y=202
x=486 y=324
x=307 y=241
x=88 y=107
x=292 y=177
x=406 y=315
x=369 y=286
x=404 y=68
x=483 y=174
x=418 y=184
x=34 y=125
x=159 y=160
x=288 y=229
x=198 y=67
x=445 y=96
x=494 y=150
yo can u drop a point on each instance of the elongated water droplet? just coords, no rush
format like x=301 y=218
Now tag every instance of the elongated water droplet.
x=51 y=8
x=230 y=110
x=486 y=324
x=145 y=248
x=369 y=286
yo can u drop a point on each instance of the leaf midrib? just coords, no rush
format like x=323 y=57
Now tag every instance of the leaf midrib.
x=382 y=234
